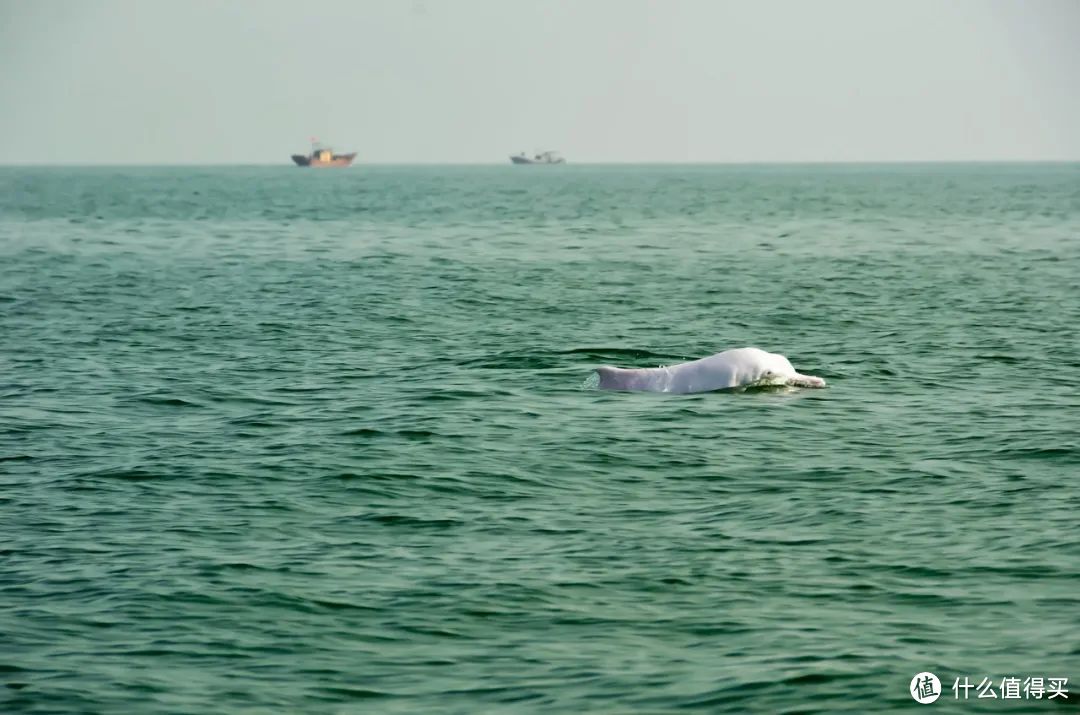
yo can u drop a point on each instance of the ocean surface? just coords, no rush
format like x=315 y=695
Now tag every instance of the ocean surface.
x=292 y=441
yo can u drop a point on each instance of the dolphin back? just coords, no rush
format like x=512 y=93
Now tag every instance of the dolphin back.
x=645 y=379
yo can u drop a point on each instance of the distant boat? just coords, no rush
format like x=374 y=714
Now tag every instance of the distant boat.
x=321 y=156
x=542 y=157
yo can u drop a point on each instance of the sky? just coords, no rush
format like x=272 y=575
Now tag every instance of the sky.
x=471 y=81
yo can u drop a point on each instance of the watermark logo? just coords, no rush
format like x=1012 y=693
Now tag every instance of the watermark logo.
x=925 y=688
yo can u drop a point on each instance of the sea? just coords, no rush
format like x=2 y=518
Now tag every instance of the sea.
x=282 y=440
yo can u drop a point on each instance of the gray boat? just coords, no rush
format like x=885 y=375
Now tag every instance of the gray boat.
x=541 y=157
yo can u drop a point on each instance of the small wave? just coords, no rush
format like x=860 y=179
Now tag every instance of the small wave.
x=354 y=693
x=1009 y=359
x=128 y=475
x=600 y=353
x=406 y=520
x=409 y=434
x=1066 y=455
x=168 y=401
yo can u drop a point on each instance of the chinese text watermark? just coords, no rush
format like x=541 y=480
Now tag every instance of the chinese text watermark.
x=926 y=688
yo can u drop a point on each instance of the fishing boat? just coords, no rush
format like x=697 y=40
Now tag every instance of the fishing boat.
x=322 y=156
x=540 y=157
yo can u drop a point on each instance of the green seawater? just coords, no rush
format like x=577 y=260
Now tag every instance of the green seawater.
x=289 y=441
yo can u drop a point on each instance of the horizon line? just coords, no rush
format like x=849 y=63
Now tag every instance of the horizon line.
x=819 y=162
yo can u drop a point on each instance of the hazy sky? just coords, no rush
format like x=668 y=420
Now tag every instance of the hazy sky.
x=431 y=81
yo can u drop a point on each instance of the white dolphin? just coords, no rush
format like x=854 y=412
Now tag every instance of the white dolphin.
x=741 y=367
